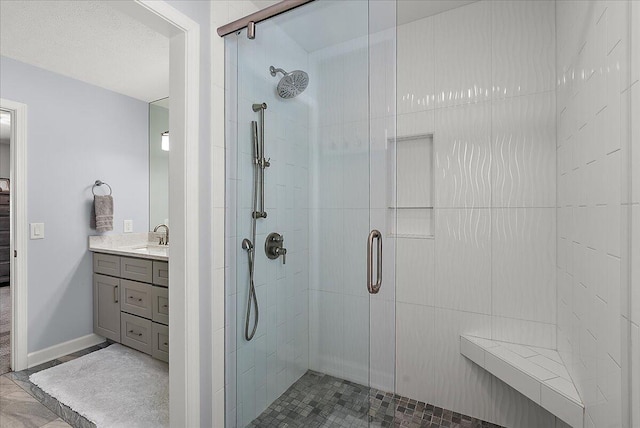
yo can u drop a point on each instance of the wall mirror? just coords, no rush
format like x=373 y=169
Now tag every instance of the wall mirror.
x=159 y=162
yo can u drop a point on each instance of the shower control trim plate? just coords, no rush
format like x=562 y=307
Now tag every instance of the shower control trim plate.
x=274 y=247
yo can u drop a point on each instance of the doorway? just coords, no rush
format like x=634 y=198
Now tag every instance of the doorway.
x=184 y=35
x=5 y=233
x=13 y=227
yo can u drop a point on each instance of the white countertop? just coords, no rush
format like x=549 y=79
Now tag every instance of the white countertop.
x=140 y=245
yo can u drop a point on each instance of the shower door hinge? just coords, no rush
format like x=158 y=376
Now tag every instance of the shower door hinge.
x=15 y=253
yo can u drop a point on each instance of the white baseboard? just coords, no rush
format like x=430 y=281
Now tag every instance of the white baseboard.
x=62 y=349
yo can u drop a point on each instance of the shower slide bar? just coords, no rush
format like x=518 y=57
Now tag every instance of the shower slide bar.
x=259 y=16
x=258 y=158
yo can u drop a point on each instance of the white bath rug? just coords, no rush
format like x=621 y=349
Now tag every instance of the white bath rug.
x=113 y=387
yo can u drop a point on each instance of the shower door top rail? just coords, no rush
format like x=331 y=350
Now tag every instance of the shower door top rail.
x=261 y=15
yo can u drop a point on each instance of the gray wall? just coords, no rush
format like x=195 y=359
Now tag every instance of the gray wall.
x=77 y=133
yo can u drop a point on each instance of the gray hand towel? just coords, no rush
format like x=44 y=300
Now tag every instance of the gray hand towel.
x=103 y=208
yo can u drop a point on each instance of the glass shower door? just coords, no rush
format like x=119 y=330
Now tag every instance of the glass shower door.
x=300 y=170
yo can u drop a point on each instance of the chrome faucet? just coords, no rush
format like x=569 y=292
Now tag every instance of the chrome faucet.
x=165 y=240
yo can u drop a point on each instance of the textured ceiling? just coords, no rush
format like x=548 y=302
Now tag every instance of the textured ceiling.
x=88 y=41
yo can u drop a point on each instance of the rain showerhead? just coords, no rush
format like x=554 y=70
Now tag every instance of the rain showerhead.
x=291 y=84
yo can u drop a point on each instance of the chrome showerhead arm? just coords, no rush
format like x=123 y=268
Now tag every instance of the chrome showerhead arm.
x=275 y=71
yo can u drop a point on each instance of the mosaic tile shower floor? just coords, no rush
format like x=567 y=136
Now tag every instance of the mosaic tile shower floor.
x=319 y=400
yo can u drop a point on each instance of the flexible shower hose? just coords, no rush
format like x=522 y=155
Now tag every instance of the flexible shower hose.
x=252 y=298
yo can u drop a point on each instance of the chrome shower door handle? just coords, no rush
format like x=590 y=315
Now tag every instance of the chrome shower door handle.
x=374 y=288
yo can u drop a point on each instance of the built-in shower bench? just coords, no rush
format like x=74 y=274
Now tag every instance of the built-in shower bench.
x=537 y=373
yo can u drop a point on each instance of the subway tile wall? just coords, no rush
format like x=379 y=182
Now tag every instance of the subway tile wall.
x=481 y=79
x=593 y=100
x=259 y=371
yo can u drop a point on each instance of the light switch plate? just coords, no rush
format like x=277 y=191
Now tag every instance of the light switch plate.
x=128 y=226
x=37 y=230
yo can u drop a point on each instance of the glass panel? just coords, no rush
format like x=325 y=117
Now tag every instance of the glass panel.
x=309 y=358
x=382 y=202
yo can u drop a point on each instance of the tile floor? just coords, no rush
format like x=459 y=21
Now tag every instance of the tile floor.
x=318 y=400
x=315 y=400
x=5 y=329
x=24 y=405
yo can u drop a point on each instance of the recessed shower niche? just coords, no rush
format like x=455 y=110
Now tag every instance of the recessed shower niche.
x=414 y=186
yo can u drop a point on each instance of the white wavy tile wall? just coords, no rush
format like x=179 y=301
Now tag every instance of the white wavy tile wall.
x=481 y=79
x=593 y=153
x=463 y=73
x=462 y=144
x=522 y=263
x=523 y=48
x=463 y=260
x=524 y=151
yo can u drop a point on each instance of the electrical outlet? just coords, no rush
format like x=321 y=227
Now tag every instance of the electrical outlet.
x=128 y=226
x=37 y=230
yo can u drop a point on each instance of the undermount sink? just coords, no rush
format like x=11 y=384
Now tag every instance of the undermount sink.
x=151 y=249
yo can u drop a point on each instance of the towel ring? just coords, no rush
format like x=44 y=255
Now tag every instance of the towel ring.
x=99 y=183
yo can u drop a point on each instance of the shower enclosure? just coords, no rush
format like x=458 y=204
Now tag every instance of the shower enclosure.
x=415 y=188
x=326 y=134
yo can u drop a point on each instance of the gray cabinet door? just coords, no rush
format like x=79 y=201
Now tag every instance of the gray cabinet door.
x=106 y=306
x=160 y=342
x=160 y=305
x=161 y=273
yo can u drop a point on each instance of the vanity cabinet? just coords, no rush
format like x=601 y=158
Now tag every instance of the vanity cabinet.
x=131 y=302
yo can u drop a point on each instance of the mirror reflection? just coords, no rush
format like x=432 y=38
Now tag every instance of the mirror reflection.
x=159 y=162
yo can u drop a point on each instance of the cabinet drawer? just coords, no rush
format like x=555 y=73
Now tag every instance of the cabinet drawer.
x=4 y=209
x=136 y=332
x=160 y=342
x=135 y=298
x=4 y=238
x=4 y=222
x=161 y=273
x=136 y=269
x=106 y=264
x=160 y=306
x=5 y=254
x=4 y=198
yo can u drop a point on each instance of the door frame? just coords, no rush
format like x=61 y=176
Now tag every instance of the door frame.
x=184 y=329
x=18 y=235
x=184 y=292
